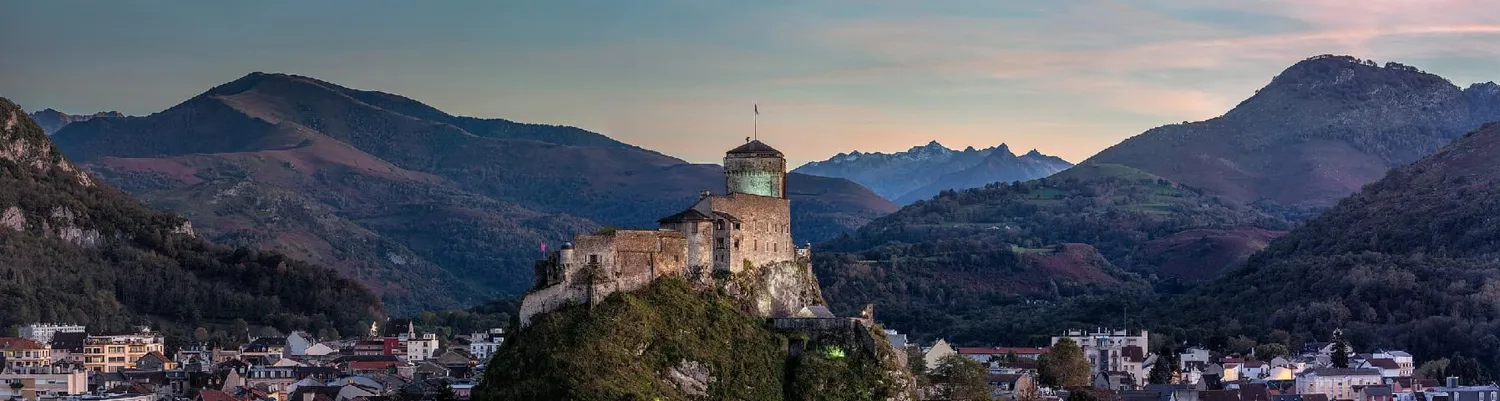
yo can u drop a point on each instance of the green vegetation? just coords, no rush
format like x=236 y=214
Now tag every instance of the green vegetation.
x=993 y=265
x=668 y=339
x=1065 y=366
x=140 y=269
x=958 y=377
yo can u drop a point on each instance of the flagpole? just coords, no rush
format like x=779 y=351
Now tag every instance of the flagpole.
x=755 y=125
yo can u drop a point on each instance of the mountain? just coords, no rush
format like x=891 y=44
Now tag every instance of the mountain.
x=431 y=210
x=73 y=249
x=1028 y=255
x=1318 y=132
x=1409 y=262
x=52 y=120
x=923 y=171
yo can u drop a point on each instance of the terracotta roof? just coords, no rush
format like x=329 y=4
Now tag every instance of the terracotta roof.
x=214 y=395
x=755 y=148
x=1001 y=350
x=16 y=343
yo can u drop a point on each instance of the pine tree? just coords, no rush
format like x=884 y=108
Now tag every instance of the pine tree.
x=1165 y=369
x=1340 y=354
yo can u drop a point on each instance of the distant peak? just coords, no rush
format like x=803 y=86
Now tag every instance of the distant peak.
x=1034 y=153
x=969 y=149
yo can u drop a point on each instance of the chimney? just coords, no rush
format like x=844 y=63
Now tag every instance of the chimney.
x=704 y=194
x=1452 y=381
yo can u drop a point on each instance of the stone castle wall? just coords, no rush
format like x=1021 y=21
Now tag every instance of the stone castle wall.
x=603 y=264
x=765 y=176
x=763 y=235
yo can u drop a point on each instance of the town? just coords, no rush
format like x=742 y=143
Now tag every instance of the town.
x=1119 y=365
x=64 y=362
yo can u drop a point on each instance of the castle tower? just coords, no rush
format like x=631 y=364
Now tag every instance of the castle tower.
x=755 y=169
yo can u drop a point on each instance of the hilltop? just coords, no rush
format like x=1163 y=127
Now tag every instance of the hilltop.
x=1090 y=231
x=922 y=171
x=52 y=120
x=431 y=210
x=73 y=249
x=1407 y=262
x=1316 y=133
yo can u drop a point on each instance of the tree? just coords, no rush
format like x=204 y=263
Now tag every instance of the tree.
x=1340 y=354
x=445 y=393
x=917 y=363
x=239 y=329
x=1165 y=370
x=1435 y=370
x=200 y=335
x=958 y=377
x=16 y=386
x=1266 y=352
x=1082 y=394
x=1065 y=366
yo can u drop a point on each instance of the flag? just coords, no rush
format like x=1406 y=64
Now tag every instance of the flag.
x=757 y=109
x=544 y=246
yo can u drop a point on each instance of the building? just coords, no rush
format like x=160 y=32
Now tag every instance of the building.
x=1452 y=391
x=987 y=354
x=43 y=332
x=936 y=353
x=1337 y=383
x=746 y=228
x=44 y=382
x=483 y=345
x=420 y=349
x=24 y=354
x=1113 y=350
x=113 y=353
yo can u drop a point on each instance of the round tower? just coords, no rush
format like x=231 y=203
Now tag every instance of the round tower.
x=755 y=169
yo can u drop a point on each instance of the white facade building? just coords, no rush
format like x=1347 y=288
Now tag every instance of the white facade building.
x=1113 y=350
x=42 y=332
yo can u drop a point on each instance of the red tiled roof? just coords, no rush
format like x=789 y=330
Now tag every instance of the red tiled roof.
x=16 y=343
x=1001 y=350
x=214 y=395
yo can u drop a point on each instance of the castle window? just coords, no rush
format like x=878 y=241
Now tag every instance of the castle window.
x=719 y=225
x=736 y=244
x=594 y=259
x=719 y=243
x=736 y=226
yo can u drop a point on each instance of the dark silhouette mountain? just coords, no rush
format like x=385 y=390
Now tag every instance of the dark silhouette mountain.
x=430 y=209
x=73 y=249
x=1409 y=262
x=923 y=171
x=1318 y=132
x=52 y=120
x=966 y=261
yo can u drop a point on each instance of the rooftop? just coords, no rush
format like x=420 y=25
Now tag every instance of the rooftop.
x=755 y=148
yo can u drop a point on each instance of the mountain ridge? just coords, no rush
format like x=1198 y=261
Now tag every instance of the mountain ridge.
x=922 y=171
x=475 y=197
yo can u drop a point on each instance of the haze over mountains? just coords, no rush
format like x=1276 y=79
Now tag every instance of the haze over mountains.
x=52 y=120
x=430 y=210
x=923 y=171
x=1318 y=132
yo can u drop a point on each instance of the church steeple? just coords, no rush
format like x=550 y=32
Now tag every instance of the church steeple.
x=755 y=169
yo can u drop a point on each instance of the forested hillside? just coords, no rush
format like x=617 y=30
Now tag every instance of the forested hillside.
x=75 y=250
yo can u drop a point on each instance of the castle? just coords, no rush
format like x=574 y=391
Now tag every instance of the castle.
x=749 y=227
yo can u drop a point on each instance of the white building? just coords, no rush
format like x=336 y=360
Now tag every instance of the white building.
x=484 y=345
x=1113 y=350
x=420 y=349
x=1337 y=383
x=42 y=332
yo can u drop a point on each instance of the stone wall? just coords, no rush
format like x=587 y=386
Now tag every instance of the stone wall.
x=762 y=235
x=765 y=176
x=603 y=264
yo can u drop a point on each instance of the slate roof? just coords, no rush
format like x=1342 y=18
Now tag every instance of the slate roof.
x=1001 y=350
x=72 y=342
x=1384 y=363
x=686 y=215
x=755 y=148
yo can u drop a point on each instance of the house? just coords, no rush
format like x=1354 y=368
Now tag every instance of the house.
x=1335 y=382
x=265 y=350
x=1379 y=392
x=1253 y=370
x=1193 y=358
x=155 y=360
x=463 y=389
x=24 y=354
x=1111 y=350
x=298 y=342
x=1116 y=381
x=420 y=348
x=898 y=340
x=939 y=350
x=1219 y=395
x=988 y=354
x=1389 y=368
x=67 y=346
x=429 y=369
x=1176 y=392
x=1452 y=391
x=1254 y=392
x=319 y=349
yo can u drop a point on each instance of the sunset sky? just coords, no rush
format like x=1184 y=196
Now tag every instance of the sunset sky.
x=1066 y=77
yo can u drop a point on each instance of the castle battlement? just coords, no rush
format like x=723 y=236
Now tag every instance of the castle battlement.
x=747 y=227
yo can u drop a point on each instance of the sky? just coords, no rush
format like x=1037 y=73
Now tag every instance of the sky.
x=1066 y=77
